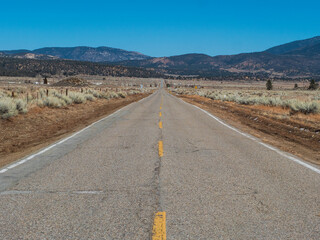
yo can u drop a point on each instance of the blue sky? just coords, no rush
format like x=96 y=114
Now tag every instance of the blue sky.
x=158 y=28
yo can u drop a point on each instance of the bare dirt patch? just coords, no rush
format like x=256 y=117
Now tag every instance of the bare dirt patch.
x=26 y=133
x=298 y=133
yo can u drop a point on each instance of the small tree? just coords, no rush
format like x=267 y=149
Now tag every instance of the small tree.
x=269 y=85
x=45 y=80
x=295 y=86
x=313 y=85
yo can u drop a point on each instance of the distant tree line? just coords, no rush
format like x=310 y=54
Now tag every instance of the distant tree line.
x=31 y=68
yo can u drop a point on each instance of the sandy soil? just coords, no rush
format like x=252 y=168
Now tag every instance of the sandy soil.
x=24 y=134
x=298 y=134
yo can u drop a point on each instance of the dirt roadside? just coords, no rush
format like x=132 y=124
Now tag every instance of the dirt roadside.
x=24 y=134
x=298 y=134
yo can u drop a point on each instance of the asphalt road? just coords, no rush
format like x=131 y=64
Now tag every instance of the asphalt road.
x=109 y=181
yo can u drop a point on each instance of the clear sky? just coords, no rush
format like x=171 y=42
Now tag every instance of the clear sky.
x=158 y=28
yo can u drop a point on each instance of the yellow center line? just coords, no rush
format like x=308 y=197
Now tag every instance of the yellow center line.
x=160 y=124
x=160 y=149
x=160 y=114
x=159 y=226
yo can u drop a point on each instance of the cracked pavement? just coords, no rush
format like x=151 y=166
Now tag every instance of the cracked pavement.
x=108 y=182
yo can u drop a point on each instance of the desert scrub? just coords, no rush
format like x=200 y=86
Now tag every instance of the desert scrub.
x=63 y=97
x=77 y=97
x=89 y=97
x=21 y=106
x=304 y=107
x=10 y=107
x=111 y=94
x=7 y=108
x=310 y=104
x=95 y=93
x=53 y=102
x=133 y=92
x=122 y=94
x=4 y=94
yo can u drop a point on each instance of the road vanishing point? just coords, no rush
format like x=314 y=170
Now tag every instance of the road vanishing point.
x=160 y=169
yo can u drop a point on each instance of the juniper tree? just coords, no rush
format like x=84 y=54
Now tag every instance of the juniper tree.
x=269 y=85
x=313 y=85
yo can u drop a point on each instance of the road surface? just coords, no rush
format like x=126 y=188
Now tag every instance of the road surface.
x=159 y=169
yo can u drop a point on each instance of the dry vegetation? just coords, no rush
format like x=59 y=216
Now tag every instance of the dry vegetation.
x=297 y=101
x=19 y=99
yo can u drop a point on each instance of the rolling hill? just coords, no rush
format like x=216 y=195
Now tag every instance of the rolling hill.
x=296 y=59
x=291 y=60
x=295 y=46
x=90 y=54
x=34 y=67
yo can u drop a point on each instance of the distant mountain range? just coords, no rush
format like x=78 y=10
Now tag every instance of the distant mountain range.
x=295 y=59
x=291 y=48
x=89 y=54
x=291 y=60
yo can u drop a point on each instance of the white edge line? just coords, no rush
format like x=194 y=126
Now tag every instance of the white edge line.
x=5 y=169
x=256 y=140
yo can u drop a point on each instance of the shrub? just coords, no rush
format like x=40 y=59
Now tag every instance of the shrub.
x=122 y=94
x=269 y=85
x=53 y=102
x=8 y=108
x=304 y=107
x=112 y=95
x=77 y=97
x=21 y=106
x=95 y=93
x=63 y=97
x=259 y=98
x=89 y=97
x=66 y=99
x=313 y=85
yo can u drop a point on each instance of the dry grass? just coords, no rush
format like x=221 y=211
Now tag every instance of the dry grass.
x=297 y=101
x=15 y=100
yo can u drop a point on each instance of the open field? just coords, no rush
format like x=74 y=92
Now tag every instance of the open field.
x=288 y=119
x=239 y=85
x=106 y=81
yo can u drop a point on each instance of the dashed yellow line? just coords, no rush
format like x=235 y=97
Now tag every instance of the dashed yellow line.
x=160 y=149
x=159 y=226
